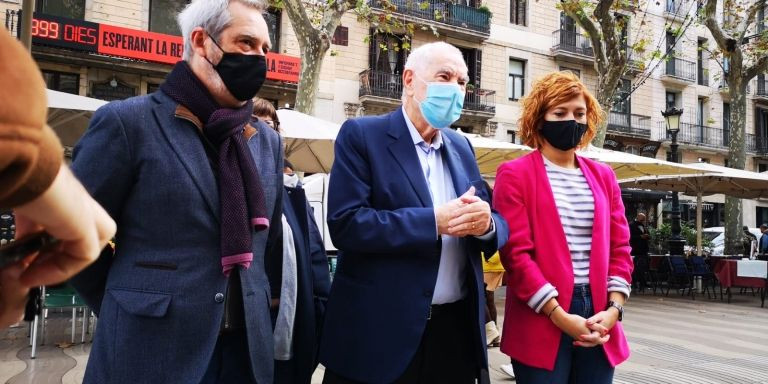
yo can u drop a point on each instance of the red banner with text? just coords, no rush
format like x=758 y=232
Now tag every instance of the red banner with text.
x=111 y=40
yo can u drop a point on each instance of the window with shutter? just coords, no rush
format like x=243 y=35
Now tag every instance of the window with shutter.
x=341 y=36
x=385 y=54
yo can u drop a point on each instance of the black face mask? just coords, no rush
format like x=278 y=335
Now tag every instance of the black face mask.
x=242 y=74
x=563 y=135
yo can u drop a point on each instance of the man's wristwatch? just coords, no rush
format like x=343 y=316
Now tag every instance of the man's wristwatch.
x=618 y=308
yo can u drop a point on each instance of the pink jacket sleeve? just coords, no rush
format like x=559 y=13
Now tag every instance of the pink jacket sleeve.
x=509 y=199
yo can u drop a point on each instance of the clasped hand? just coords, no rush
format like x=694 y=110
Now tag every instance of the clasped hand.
x=467 y=215
x=587 y=332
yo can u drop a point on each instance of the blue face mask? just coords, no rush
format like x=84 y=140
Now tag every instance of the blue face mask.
x=443 y=104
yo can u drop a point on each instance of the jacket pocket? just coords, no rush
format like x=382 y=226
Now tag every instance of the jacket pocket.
x=154 y=265
x=142 y=303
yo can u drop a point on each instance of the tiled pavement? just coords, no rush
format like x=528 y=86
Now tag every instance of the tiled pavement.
x=673 y=340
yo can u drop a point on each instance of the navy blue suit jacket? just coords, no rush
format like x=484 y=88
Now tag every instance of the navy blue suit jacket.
x=382 y=220
x=159 y=298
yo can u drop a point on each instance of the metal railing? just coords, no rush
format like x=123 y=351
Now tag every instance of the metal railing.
x=573 y=42
x=388 y=85
x=480 y=100
x=681 y=69
x=440 y=11
x=13 y=22
x=381 y=84
x=756 y=144
x=632 y=124
x=694 y=134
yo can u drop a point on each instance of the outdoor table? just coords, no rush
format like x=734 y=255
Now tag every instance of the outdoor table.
x=727 y=272
x=752 y=268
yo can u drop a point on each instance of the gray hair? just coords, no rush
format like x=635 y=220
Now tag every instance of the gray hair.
x=419 y=58
x=212 y=15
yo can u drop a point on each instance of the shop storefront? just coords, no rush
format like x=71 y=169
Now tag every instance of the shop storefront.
x=110 y=62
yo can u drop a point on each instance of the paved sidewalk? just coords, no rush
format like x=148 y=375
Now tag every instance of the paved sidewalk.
x=674 y=340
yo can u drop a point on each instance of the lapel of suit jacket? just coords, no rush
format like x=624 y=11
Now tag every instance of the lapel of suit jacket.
x=188 y=147
x=450 y=152
x=403 y=150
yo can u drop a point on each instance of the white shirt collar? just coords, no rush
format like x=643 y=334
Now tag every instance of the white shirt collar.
x=437 y=141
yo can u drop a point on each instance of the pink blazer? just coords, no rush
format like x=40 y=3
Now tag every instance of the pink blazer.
x=537 y=253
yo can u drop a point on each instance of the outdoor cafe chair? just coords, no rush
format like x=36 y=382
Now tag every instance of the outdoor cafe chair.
x=60 y=297
x=699 y=268
x=679 y=275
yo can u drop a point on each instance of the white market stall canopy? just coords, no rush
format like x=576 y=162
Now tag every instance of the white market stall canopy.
x=69 y=114
x=308 y=140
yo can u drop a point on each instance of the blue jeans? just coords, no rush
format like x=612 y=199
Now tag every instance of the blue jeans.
x=574 y=365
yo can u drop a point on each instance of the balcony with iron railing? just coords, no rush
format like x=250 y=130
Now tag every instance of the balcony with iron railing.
x=381 y=84
x=629 y=125
x=387 y=88
x=480 y=100
x=724 y=89
x=573 y=45
x=756 y=144
x=679 y=71
x=695 y=134
x=445 y=14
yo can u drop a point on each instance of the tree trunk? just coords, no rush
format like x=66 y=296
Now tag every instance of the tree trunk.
x=605 y=99
x=313 y=48
x=736 y=158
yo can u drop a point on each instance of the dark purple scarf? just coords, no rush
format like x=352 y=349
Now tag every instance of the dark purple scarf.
x=240 y=193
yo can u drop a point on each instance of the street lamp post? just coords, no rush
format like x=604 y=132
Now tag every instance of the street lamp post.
x=676 y=242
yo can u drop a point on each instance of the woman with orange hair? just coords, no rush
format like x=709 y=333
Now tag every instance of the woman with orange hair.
x=567 y=256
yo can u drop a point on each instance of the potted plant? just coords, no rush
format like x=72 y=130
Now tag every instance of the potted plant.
x=487 y=11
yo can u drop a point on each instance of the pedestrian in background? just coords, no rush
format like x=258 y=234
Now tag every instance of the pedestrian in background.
x=749 y=241
x=298 y=306
x=39 y=187
x=567 y=283
x=763 y=247
x=493 y=276
x=638 y=240
x=266 y=113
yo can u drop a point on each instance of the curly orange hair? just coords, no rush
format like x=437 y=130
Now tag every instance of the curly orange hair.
x=551 y=90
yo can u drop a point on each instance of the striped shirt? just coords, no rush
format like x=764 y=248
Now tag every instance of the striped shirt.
x=576 y=208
